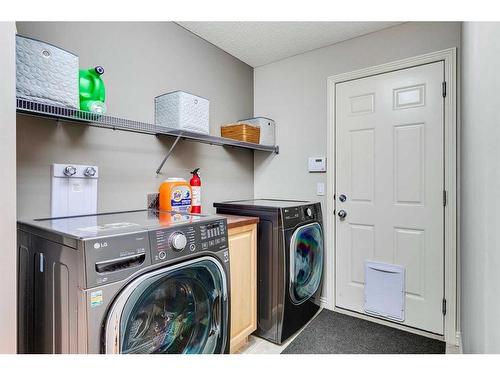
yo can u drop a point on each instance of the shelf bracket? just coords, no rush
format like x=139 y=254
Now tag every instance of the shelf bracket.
x=168 y=155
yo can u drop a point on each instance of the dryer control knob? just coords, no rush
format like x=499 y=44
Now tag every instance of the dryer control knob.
x=178 y=241
x=309 y=212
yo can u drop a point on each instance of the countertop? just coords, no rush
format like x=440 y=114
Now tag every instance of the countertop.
x=235 y=221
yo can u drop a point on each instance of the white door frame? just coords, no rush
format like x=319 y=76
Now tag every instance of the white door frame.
x=449 y=57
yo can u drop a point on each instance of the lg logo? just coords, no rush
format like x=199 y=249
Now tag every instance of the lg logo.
x=98 y=245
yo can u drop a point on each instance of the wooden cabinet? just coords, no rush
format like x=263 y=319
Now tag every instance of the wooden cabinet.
x=243 y=274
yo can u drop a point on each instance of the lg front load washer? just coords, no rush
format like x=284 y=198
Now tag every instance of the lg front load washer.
x=289 y=262
x=129 y=282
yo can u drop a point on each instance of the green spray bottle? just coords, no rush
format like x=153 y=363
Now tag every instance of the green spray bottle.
x=92 y=90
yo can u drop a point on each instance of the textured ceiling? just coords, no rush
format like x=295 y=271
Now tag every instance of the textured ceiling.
x=260 y=43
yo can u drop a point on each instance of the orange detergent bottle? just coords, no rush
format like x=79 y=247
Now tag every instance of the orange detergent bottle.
x=175 y=195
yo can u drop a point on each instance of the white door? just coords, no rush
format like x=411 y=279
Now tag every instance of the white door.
x=390 y=168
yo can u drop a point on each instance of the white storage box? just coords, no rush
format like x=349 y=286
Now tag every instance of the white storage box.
x=267 y=129
x=46 y=74
x=181 y=110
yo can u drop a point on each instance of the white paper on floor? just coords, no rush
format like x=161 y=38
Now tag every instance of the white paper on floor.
x=385 y=290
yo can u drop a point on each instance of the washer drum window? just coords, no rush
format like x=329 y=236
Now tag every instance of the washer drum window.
x=306 y=262
x=179 y=310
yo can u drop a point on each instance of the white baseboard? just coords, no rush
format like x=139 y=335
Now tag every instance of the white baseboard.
x=459 y=343
x=324 y=303
x=401 y=327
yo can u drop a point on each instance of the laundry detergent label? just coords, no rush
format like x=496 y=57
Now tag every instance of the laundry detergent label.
x=180 y=199
x=96 y=298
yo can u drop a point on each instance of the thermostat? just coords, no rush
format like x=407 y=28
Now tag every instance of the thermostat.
x=317 y=164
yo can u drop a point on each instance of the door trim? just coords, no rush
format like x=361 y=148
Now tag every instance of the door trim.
x=113 y=319
x=451 y=162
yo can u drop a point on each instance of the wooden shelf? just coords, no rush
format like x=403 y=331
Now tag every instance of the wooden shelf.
x=33 y=108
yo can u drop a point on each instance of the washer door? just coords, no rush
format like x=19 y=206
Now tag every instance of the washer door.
x=306 y=262
x=181 y=309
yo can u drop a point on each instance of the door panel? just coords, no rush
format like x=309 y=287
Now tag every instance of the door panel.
x=362 y=164
x=390 y=166
x=409 y=251
x=409 y=161
x=362 y=247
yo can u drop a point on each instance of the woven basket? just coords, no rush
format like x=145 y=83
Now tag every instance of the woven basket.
x=241 y=132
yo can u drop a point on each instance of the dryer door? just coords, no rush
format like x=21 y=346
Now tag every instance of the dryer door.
x=181 y=309
x=306 y=262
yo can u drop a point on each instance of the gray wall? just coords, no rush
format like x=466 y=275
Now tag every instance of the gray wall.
x=7 y=189
x=293 y=92
x=141 y=60
x=480 y=188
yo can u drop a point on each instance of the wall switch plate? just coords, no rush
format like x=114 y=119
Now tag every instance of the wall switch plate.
x=317 y=164
x=73 y=189
x=320 y=188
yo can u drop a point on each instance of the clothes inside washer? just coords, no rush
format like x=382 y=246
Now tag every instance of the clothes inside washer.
x=308 y=261
x=172 y=315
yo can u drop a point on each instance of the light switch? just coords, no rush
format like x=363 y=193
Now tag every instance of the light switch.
x=320 y=188
x=73 y=190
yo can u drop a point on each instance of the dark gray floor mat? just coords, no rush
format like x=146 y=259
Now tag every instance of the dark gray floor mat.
x=334 y=333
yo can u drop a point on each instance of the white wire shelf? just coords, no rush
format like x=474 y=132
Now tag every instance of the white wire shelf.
x=33 y=108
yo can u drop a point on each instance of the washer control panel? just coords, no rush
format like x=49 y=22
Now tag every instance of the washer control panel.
x=181 y=240
x=213 y=235
x=293 y=216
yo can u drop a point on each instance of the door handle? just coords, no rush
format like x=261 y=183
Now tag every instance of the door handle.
x=216 y=316
x=342 y=214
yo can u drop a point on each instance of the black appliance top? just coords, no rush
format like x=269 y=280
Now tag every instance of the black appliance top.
x=263 y=203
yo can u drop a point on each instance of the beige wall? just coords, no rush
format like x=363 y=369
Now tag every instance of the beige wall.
x=141 y=60
x=293 y=92
x=7 y=189
x=480 y=187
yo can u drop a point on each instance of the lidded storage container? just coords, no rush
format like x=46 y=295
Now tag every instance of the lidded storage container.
x=181 y=110
x=267 y=129
x=46 y=74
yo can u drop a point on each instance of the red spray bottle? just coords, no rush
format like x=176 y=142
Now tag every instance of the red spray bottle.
x=195 y=183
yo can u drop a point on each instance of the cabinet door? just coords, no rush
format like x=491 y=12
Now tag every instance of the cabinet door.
x=243 y=266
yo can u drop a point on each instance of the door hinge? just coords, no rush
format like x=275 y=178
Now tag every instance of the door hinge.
x=444 y=306
x=444 y=89
x=445 y=198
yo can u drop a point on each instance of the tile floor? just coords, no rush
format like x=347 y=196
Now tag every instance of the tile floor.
x=256 y=345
